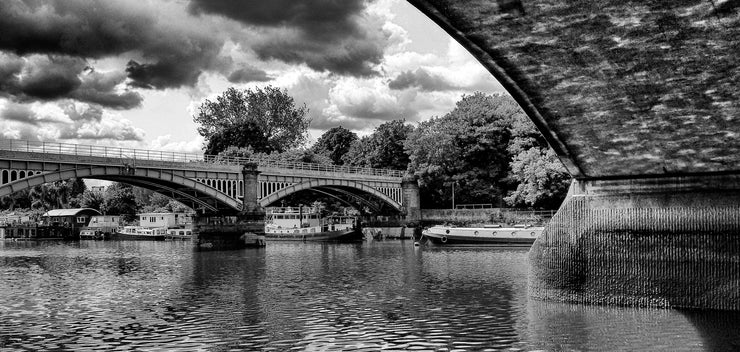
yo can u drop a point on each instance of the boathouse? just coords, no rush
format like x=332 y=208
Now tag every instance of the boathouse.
x=74 y=218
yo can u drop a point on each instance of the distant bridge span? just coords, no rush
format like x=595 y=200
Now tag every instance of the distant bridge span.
x=208 y=184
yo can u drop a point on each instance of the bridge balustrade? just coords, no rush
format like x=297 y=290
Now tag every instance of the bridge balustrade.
x=171 y=156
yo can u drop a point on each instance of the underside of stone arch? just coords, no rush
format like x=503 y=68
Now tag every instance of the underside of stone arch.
x=639 y=100
x=619 y=88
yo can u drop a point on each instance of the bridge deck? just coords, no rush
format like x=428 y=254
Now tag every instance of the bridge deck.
x=103 y=155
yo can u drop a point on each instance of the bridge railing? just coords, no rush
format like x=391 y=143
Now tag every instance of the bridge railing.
x=157 y=155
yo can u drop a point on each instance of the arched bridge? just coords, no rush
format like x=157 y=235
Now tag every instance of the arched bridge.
x=208 y=184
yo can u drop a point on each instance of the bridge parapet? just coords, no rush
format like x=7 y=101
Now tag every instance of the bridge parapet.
x=142 y=157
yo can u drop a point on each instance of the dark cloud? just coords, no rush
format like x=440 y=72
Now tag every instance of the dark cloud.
x=54 y=77
x=422 y=79
x=248 y=74
x=10 y=68
x=161 y=75
x=172 y=54
x=326 y=35
x=101 y=88
x=326 y=19
x=39 y=77
x=350 y=57
x=50 y=77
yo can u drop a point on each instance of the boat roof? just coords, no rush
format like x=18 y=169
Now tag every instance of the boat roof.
x=69 y=212
x=291 y=210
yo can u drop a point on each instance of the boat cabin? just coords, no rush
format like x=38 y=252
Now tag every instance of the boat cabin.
x=167 y=220
x=292 y=217
x=299 y=221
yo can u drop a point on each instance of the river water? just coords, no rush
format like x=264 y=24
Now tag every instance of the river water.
x=163 y=296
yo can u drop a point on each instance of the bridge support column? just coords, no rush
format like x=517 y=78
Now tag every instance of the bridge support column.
x=245 y=229
x=411 y=199
x=662 y=242
x=251 y=188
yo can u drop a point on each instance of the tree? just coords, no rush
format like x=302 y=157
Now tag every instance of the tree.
x=265 y=119
x=245 y=134
x=466 y=148
x=384 y=148
x=90 y=199
x=20 y=199
x=159 y=203
x=77 y=187
x=542 y=181
x=120 y=200
x=297 y=155
x=335 y=143
x=44 y=196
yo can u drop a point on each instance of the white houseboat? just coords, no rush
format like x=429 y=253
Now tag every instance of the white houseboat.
x=486 y=236
x=179 y=234
x=306 y=224
x=139 y=233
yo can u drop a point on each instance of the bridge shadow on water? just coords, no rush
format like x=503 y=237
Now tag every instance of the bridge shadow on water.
x=561 y=326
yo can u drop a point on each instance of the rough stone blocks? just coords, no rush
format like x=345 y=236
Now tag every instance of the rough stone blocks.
x=671 y=242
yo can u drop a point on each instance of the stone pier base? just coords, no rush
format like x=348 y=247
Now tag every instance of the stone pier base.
x=660 y=242
x=229 y=232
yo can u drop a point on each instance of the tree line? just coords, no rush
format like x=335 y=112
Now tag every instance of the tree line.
x=118 y=198
x=486 y=147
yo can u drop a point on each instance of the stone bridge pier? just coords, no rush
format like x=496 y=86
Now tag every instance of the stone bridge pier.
x=244 y=229
x=661 y=242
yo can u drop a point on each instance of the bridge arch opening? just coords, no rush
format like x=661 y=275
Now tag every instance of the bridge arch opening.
x=362 y=197
x=191 y=193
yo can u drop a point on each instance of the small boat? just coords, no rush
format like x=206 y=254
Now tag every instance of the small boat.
x=306 y=224
x=179 y=234
x=486 y=236
x=139 y=233
x=91 y=234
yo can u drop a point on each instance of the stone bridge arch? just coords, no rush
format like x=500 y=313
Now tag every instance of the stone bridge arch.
x=194 y=194
x=330 y=186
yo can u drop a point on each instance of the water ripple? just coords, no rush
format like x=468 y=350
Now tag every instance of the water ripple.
x=389 y=296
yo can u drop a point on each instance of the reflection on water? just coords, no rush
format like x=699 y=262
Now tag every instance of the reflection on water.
x=314 y=297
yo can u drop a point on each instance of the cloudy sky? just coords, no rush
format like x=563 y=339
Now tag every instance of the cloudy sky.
x=132 y=73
